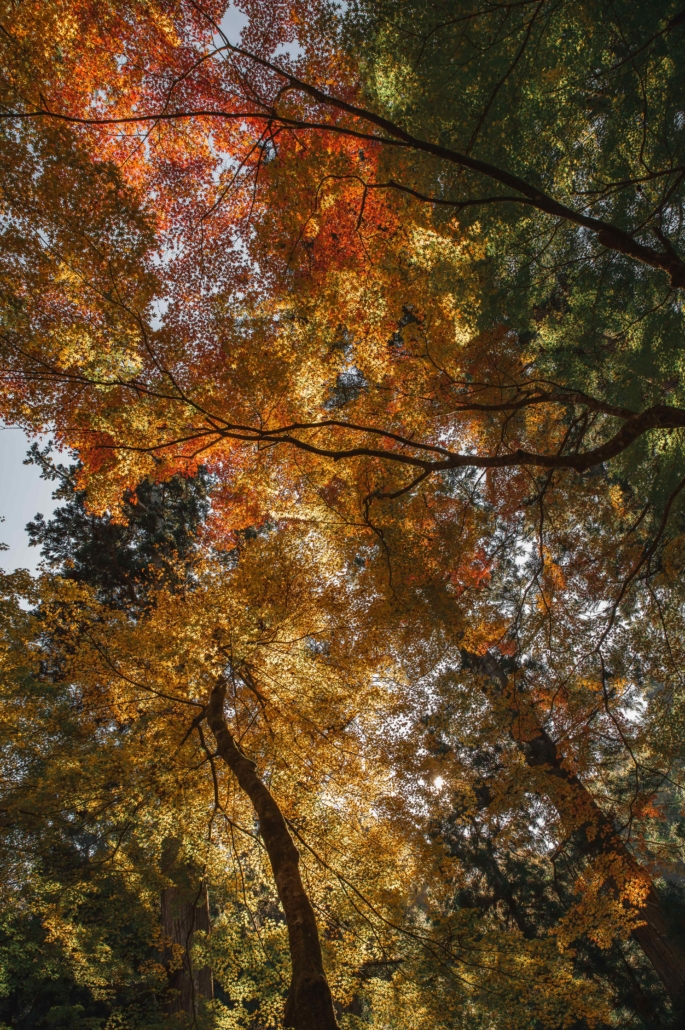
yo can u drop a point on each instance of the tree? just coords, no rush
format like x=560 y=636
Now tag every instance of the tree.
x=108 y=763
x=339 y=350
x=157 y=535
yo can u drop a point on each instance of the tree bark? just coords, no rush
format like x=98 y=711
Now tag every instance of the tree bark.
x=309 y=1005
x=665 y=955
x=184 y=912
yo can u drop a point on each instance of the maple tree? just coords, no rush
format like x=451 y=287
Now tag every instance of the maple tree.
x=413 y=291
x=159 y=650
x=115 y=758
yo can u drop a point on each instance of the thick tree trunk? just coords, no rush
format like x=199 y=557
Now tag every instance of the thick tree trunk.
x=540 y=751
x=309 y=1005
x=665 y=955
x=183 y=912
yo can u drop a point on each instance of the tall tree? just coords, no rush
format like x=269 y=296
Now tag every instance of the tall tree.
x=133 y=755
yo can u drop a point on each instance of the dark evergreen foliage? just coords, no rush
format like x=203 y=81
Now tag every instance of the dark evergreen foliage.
x=120 y=559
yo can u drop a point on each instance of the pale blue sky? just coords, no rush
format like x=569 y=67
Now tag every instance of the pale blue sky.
x=22 y=494
x=233 y=22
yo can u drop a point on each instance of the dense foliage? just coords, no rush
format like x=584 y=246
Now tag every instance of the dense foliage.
x=365 y=601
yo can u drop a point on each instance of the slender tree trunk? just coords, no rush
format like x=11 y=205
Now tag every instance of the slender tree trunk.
x=540 y=751
x=309 y=1005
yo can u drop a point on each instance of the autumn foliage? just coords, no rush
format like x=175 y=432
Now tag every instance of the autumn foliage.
x=359 y=630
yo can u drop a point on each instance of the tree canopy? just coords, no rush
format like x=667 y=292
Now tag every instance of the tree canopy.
x=360 y=626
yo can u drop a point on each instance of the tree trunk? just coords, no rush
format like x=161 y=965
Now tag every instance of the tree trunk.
x=184 y=912
x=309 y=1005
x=665 y=955
x=540 y=751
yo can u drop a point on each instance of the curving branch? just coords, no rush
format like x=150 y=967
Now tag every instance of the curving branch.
x=659 y=416
x=429 y=458
x=608 y=235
